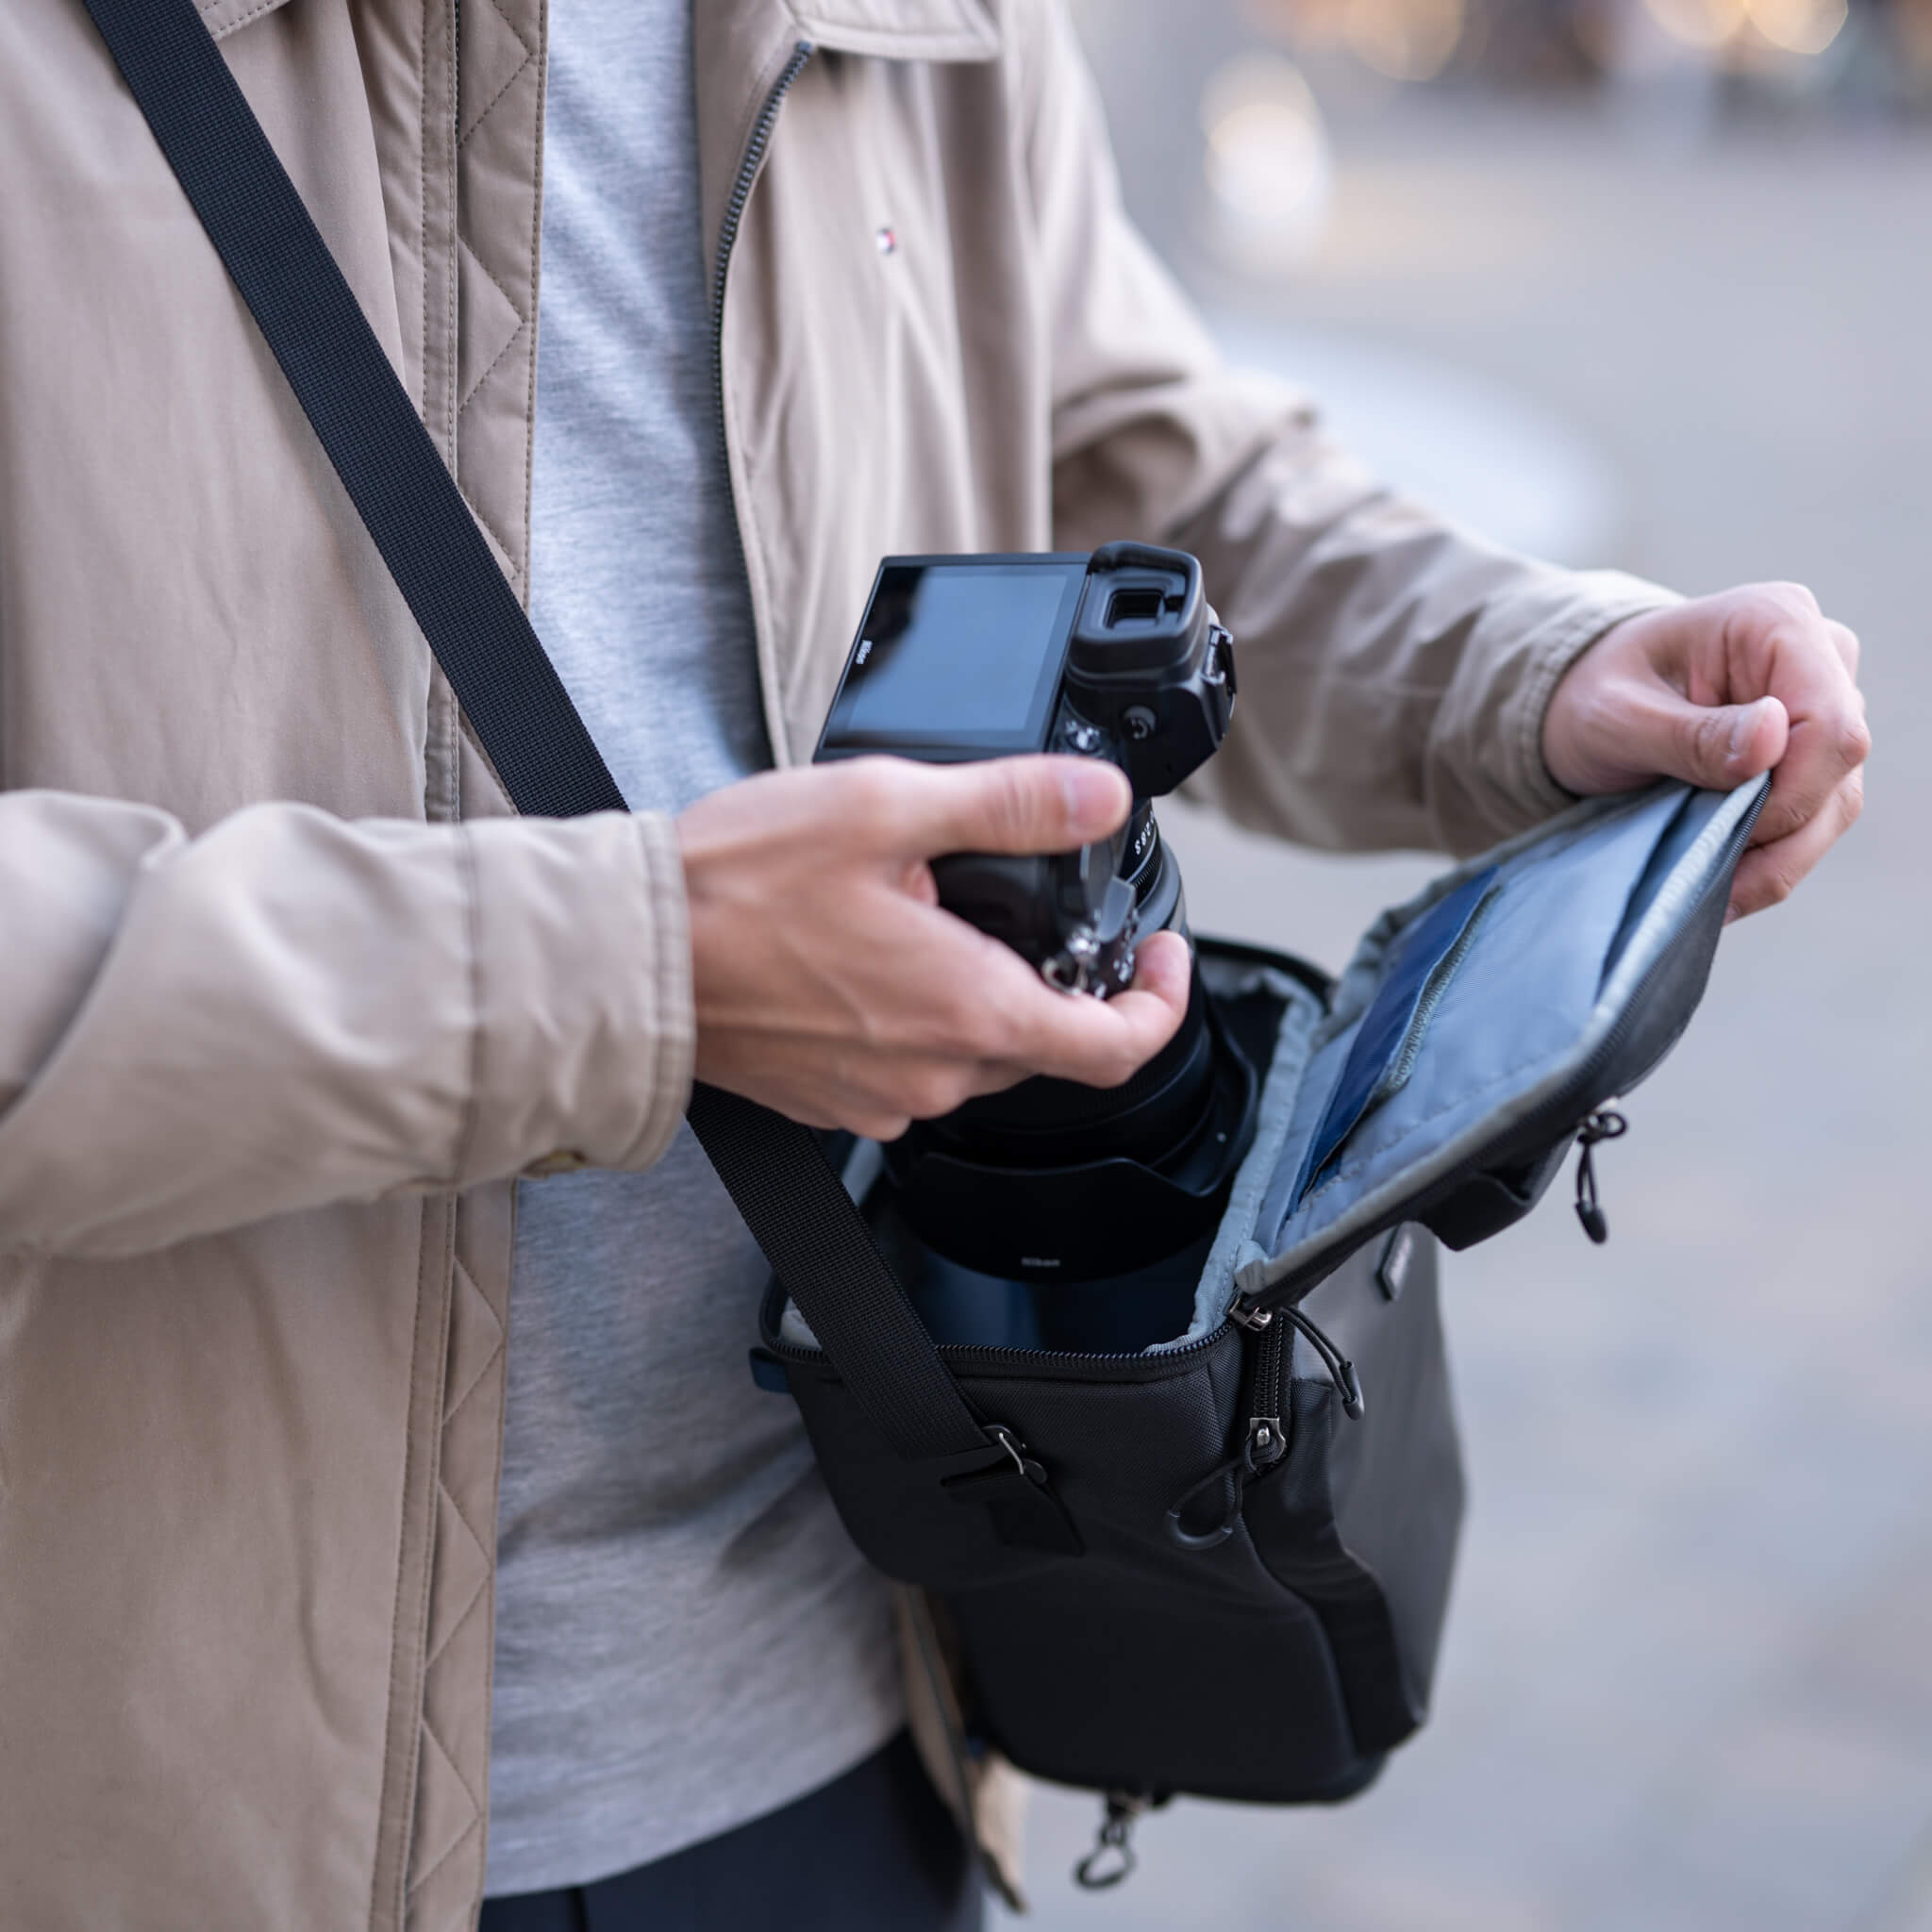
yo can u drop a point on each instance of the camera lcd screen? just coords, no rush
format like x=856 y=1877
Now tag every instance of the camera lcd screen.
x=958 y=658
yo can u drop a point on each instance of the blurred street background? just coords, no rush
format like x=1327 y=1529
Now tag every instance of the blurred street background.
x=1642 y=282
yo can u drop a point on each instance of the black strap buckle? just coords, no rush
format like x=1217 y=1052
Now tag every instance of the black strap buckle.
x=1016 y=1496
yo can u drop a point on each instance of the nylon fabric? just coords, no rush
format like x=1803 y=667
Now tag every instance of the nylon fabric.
x=507 y=687
x=361 y=412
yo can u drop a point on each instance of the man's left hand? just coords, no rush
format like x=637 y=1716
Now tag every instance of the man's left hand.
x=1713 y=693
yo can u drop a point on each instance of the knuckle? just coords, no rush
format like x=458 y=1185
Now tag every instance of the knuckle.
x=875 y=789
x=962 y=1017
x=981 y=1031
x=1854 y=742
x=960 y=1023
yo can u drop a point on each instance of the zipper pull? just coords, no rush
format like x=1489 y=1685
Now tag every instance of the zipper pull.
x=1605 y=1123
x=1265 y=1443
x=1112 y=1857
x=1267 y=1440
x=1246 y=1314
x=1341 y=1370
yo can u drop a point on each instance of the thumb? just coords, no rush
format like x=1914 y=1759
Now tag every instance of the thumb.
x=1019 y=805
x=1720 y=746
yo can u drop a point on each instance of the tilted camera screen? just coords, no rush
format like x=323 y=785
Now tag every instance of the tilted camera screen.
x=958 y=658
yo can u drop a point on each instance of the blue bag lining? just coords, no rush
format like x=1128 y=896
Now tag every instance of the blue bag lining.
x=1385 y=1044
x=1584 y=906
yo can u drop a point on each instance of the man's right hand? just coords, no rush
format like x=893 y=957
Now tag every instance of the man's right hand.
x=830 y=984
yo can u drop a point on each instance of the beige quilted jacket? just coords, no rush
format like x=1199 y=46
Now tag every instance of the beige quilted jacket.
x=287 y=998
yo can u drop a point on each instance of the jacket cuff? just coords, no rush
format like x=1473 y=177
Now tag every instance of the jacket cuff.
x=585 y=1034
x=1528 y=639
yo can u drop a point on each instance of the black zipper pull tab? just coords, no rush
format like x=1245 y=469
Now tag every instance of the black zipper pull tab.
x=1244 y=1314
x=1341 y=1370
x=1605 y=1123
x=1265 y=1443
x=1267 y=1440
x=1112 y=1857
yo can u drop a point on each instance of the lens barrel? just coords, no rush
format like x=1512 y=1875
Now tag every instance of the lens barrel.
x=1055 y=1181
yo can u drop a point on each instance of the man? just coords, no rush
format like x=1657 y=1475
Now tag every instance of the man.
x=290 y=1001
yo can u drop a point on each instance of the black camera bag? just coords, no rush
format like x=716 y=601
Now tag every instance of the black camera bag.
x=1096 y=1620
x=1218 y=1567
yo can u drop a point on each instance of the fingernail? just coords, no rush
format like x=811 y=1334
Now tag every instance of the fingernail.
x=1741 y=729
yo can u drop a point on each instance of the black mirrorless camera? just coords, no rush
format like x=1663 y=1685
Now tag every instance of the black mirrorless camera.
x=1089 y=1194
x=1115 y=656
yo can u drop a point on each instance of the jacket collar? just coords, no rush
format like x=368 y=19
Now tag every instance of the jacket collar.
x=741 y=47
x=222 y=17
x=898 y=29
x=888 y=29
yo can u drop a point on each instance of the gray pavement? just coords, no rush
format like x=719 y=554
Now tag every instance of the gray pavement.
x=1687 y=1682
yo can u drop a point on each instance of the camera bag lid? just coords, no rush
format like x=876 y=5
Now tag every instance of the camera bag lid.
x=1481 y=1025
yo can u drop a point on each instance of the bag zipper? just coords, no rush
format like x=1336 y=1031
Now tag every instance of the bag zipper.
x=1266 y=1441
x=1270 y=1398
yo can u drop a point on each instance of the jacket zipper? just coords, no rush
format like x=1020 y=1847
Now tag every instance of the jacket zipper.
x=754 y=159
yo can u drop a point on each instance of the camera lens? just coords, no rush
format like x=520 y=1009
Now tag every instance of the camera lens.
x=1056 y=1181
x=1151 y=1118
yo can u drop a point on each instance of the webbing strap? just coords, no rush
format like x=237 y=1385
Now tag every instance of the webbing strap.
x=775 y=1169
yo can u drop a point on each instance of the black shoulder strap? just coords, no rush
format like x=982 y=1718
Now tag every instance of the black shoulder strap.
x=776 y=1169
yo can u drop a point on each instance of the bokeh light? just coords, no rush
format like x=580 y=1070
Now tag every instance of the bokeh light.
x=1405 y=40
x=1798 y=26
x=1698 y=22
x=1269 y=166
x=1912 y=23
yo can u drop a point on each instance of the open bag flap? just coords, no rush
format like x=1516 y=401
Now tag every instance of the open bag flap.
x=1481 y=1023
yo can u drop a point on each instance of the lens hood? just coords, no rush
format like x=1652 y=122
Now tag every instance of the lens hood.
x=1153 y=1163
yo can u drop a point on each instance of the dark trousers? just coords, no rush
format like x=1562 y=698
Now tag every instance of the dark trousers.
x=874 y=1851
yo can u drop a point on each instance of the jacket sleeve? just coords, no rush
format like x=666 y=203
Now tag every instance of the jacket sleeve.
x=292 y=1009
x=1394 y=669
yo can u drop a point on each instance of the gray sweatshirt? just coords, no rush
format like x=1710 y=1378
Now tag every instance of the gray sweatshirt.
x=685 y=1637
